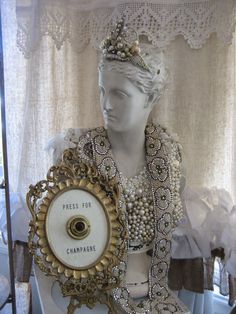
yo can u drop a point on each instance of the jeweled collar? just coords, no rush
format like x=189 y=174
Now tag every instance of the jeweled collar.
x=162 y=160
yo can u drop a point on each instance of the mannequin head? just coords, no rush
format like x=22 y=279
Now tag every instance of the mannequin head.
x=128 y=93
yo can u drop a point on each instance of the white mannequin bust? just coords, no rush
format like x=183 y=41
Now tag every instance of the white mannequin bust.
x=127 y=97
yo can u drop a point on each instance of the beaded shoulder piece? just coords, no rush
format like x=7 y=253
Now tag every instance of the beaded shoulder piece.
x=163 y=166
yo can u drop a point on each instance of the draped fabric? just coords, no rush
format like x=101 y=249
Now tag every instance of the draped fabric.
x=57 y=88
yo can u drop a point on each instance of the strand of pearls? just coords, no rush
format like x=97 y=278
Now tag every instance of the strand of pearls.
x=175 y=185
x=139 y=206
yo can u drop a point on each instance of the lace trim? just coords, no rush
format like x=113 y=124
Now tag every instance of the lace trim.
x=161 y=21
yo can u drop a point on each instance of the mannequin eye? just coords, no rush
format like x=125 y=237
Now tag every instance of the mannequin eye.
x=119 y=93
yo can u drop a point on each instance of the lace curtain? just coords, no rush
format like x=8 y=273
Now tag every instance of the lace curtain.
x=83 y=22
x=56 y=88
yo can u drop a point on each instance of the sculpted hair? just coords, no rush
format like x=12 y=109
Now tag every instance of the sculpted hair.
x=153 y=82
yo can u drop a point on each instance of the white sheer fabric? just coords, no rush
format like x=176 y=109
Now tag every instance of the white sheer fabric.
x=4 y=289
x=57 y=89
x=198 y=303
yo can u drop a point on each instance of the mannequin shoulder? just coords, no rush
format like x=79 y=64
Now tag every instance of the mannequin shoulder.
x=165 y=135
x=68 y=138
x=169 y=140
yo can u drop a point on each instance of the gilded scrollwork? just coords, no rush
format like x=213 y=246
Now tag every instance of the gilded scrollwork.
x=85 y=285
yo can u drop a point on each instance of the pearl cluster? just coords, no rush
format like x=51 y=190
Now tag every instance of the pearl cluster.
x=116 y=47
x=139 y=206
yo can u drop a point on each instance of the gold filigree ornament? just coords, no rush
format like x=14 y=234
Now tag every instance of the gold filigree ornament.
x=78 y=232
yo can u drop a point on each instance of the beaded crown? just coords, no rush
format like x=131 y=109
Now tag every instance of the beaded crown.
x=117 y=47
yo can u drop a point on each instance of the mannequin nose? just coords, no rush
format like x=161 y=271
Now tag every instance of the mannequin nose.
x=106 y=104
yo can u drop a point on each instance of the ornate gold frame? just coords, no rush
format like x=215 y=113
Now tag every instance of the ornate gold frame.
x=85 y=285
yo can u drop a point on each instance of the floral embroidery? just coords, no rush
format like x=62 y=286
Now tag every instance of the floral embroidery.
x=99 y=129
x=117 y=293
x=159 y=270
x=119 y=270
x=164 y=225
x=125 y=293
x=152 y=146
x=158 y=169
x=150 y=128
x=88 y=150
x=160 y=163
x=122 y=295
x=85 y=148
x=163 y=197
x=101 y=144
x=163 y=248
x=145 y=305
x=159 y=291
x=166 y=308
x=108 y=168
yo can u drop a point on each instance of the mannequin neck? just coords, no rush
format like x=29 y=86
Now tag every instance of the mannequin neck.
x=128 y=148
x=129 y=141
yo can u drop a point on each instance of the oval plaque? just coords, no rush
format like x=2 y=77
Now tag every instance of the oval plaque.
x=79 y=211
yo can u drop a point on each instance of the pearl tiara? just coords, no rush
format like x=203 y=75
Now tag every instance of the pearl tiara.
x=117 y=47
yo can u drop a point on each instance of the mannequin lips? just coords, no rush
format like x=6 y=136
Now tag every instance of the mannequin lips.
x=108 y=116
x=111 y=117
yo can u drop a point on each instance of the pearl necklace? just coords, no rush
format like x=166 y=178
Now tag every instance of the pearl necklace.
x=140 y=210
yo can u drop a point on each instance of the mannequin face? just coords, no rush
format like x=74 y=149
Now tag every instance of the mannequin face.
x=124 y=106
